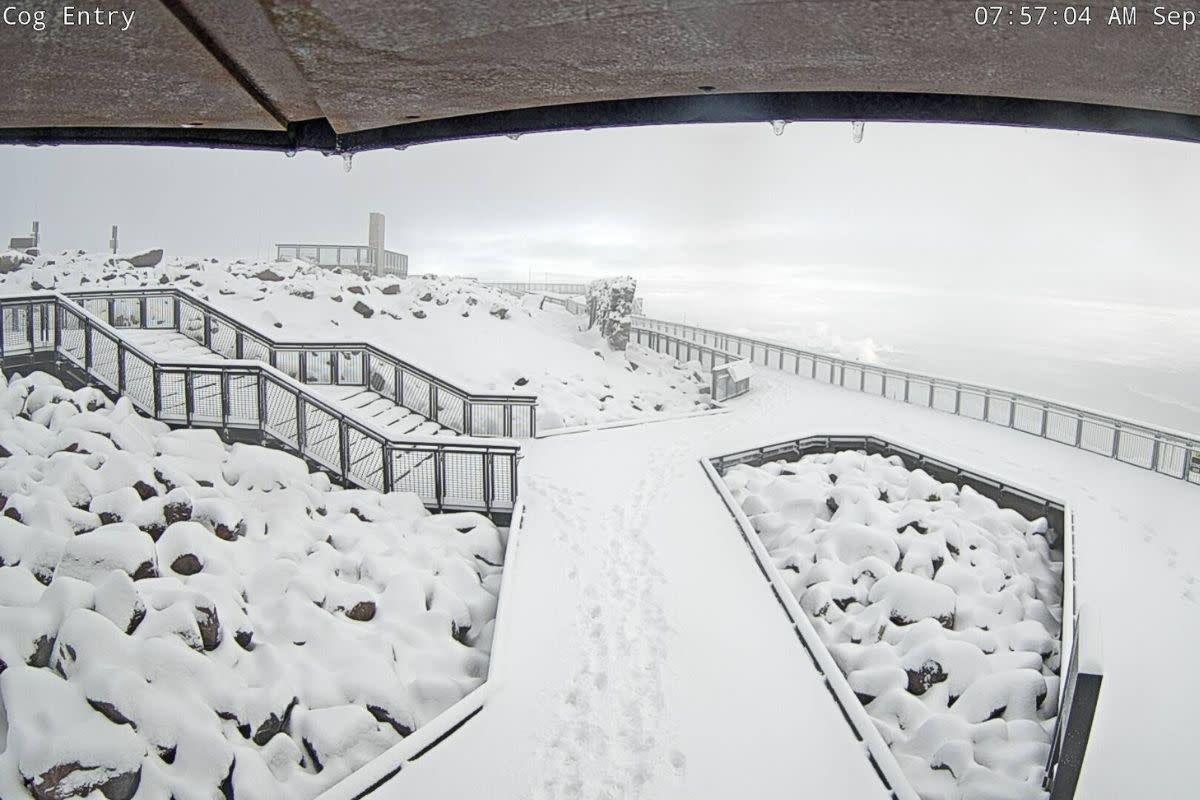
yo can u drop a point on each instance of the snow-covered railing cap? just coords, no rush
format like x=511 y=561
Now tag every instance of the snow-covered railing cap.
x=737 y=370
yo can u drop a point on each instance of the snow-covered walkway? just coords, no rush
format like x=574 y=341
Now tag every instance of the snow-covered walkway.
x=649 y=658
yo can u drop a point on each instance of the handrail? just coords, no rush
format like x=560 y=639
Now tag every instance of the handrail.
x=448 y=473
x=477 y=416
x=1159 y=449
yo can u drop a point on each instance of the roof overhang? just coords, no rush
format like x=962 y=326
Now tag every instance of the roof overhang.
x=346 y=75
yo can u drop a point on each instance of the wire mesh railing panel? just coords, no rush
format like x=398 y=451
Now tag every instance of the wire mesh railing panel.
x=971 y=404
x=852 y=376
x=872 y=382
x=318 y=367
x=487 y=419
x=415 y=471
x=893 y=387
x=463 y=480
x=191 y=321
x=279 y=418
x=255 y=349
x=207 y=405
x=1097 y=437
x=104 y=358
x=825 y=372
x=450 y=411
x=416 y=393
x=1000 y=410
x=504 y=489
x=1172 y=459
x=288 y=362
x=1028 y=418
x=222 y=338
x=383 y=378
x=126 y=312
x=160 y=312
x=523 y=421
x=1062 y=427
x=97 y=307
x=364 y=458
x=321 y=440
x=16 y=329
x=944 y=398
x=243 y=411
x=920 y=393
x=1135 y=448
x=350 y=367
x=44 y=316
x=172 y=403
x=139 y=381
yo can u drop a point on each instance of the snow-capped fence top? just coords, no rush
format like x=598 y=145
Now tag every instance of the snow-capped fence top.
x=345 y=363
x=252 y=399
x=1159 y=449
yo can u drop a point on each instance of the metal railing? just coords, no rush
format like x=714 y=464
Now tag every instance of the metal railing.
x=1080 y=665
x=50 y=331
x=1158 y=449
x=326 y=363
x=538 y=288
x=351 y=256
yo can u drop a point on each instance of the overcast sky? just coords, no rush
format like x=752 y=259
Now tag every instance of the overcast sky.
x=930 y=204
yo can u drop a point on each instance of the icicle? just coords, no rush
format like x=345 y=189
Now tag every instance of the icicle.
x=858 y=131
x=778 y=125
x=289 y=153
x=347 y=161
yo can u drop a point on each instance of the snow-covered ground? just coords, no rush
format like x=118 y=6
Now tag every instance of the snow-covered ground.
x=649 y=658
x=482 y=339
x=628 y=550
x=179 y=617
x=942 y=609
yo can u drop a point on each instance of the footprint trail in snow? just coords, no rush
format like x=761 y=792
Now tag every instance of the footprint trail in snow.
x=606 y=740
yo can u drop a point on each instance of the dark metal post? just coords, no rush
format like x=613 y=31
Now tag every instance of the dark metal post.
x=156 y=377
x=344 y=450
x=224 y=399
x=301 y=426
x=120 y=366
x=388 y=466
x=207 y=328
x=189 y=401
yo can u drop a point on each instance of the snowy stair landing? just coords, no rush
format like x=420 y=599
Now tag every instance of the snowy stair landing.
x=381 y=412
x=359 y=402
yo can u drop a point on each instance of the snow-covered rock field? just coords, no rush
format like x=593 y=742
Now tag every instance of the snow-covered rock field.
x=942 y=609
x=484 y=340
x=180 y=618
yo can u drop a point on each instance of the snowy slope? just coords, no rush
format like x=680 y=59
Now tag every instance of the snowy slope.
x=179 y=617
x=477 y=337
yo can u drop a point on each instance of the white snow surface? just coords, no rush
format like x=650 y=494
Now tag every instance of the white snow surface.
x=176 y=613
x=479 y=338
x=942 y=609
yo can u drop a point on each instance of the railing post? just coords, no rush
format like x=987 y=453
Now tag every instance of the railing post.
x=156 y=379
x=813 y=371
x=224 y=399
x=302 y=366
x=334 y=378
x=1154 y=454
x=142 y=311
x=488 y=481
x=366 y=368
x=301 y=425
x=1045 y=419
x=1012 y=411
x=467 y=425
x=87 y=347
x=957 y=399
x=439 y=464
x=906 y=388
x=388 y=468
x=862 y=379
x=987 y=405
x=189 y=403
x=1116 y=445
x=398 y=384
x=344 y=451
x=120 y=366
x=29 y=328
x=207 y=329
x=238 y=344
x=262 y=404
x=175 y=312
x=112 y=311
x=1079 y=431
x=433 y=400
